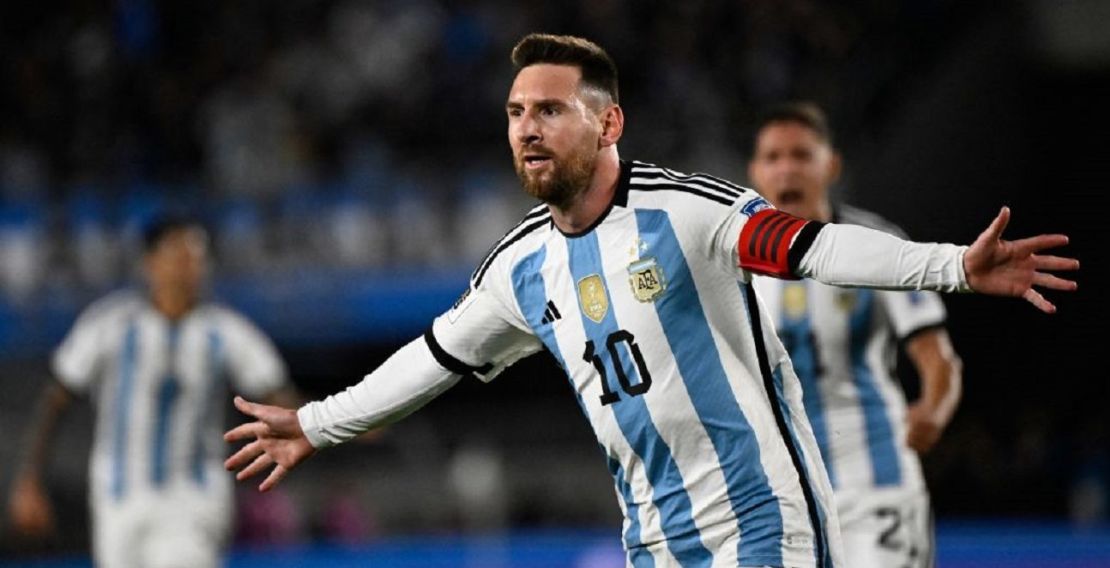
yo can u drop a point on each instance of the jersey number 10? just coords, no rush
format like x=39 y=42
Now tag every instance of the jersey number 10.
x=620 y=336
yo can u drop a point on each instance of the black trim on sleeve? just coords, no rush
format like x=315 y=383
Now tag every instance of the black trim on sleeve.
x=801 y=245
x=907 y=338
x=450 y=362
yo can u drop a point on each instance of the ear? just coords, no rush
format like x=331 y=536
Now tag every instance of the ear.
x=835 y=165
x=612 y=126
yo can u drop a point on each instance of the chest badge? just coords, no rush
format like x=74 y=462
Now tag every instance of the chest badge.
x=592 y=297
x=794 y=301
x=846 y=301
x=647 y=279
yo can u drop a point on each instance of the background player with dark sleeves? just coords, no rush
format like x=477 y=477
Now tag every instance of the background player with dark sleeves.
x=637 y=278
x=843 y=343
x=157 y=365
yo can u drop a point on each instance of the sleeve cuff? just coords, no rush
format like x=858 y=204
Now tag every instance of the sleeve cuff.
x=306 y=416
x=962 y=286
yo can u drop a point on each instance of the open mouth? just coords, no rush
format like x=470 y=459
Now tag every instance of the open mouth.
x=533 y=161
x=790 y=196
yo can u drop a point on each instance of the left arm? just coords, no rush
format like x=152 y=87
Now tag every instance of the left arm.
x=939 y=368
x=849 y=255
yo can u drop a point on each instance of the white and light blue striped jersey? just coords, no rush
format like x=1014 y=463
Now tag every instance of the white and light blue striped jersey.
x=160 y=390
x=844 y=344
x=661 y=335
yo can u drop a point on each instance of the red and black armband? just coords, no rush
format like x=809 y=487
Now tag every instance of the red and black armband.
x=773 y=243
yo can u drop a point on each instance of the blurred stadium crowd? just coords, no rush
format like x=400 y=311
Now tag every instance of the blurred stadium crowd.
x=353 y=137
x=353 y=133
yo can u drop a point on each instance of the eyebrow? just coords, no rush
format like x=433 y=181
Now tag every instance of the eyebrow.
x=540 y=103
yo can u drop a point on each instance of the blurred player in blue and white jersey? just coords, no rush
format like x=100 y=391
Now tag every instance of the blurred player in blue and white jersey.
x=157 y=365
x=637 y=278
x=843 y=343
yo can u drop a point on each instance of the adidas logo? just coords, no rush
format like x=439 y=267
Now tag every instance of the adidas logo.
x=550 y=314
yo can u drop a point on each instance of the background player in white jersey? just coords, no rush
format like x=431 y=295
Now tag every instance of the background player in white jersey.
x=637 y=279
x=157 y=365
x=843 y=343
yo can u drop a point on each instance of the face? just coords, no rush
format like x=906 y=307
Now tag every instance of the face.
x=793 y=168
x=554 y=131
x=179 y=262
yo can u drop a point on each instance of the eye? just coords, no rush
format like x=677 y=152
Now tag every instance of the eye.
x=549 y=111
x=514 y=112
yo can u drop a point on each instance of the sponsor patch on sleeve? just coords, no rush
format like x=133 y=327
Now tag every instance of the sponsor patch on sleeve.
x=755 y=206
x=460 y=305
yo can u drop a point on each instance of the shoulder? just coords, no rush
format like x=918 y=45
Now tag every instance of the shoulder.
x=112 y=307
x=658 y=186
x=522 y=237
x=856 y=216
x=221 y=317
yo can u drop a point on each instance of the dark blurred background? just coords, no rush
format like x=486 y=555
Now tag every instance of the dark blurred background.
x=350 y=160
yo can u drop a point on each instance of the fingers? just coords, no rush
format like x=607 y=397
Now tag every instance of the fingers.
x=245 y=455
x=1038 y=301
x=1049 y=262
x=1032 y=245
x=275 y=476
x=994 y=231
x=257 y=466
x=246 y=407
x=245 y=431
x=1053 y=282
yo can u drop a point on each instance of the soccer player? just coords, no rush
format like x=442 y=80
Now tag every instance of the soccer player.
x=638 y=280
x=157 y=365
x=843 y=344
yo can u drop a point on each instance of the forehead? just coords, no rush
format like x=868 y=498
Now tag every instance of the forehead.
x=783 y=133
x=545 y=81
x=193 y=239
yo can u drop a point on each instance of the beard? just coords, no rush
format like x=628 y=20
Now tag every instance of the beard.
x=562 y=182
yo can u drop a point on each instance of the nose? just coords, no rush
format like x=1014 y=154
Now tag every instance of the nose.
x=528 y=130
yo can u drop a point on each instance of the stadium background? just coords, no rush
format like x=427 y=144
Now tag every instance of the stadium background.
x=350 y=160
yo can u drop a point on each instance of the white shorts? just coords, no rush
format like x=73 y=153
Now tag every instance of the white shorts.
x=886 y=528
x=182 y=529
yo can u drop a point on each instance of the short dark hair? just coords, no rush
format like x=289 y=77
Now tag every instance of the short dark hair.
x=598 y=69
x=163 y=225
x=806 y=113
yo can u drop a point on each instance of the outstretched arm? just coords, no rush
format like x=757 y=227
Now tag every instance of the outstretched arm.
x=282 y=438
x=848 y=255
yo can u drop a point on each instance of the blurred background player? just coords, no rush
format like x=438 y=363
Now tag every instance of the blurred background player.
x=843 y=343
x=156 y=364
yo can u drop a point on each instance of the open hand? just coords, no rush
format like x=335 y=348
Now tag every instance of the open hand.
x=1011 y=268
x=278 y=442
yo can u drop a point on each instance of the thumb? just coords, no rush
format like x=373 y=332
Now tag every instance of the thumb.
x=998 y=225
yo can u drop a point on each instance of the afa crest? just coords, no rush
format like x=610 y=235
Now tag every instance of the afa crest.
x=593 y=298
x=647 y=279
x=846 y=300
x=794 y=300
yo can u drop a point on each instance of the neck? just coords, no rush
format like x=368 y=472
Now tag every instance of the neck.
x=824 y=211
x=172 y=303
x=591 y=204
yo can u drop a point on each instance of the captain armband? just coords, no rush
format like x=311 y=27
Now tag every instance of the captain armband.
x=773 y=243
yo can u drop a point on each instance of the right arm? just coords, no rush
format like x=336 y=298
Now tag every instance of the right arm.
x=29 y=507
x=479 y=336
x=283 y=438
x=74 y=366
